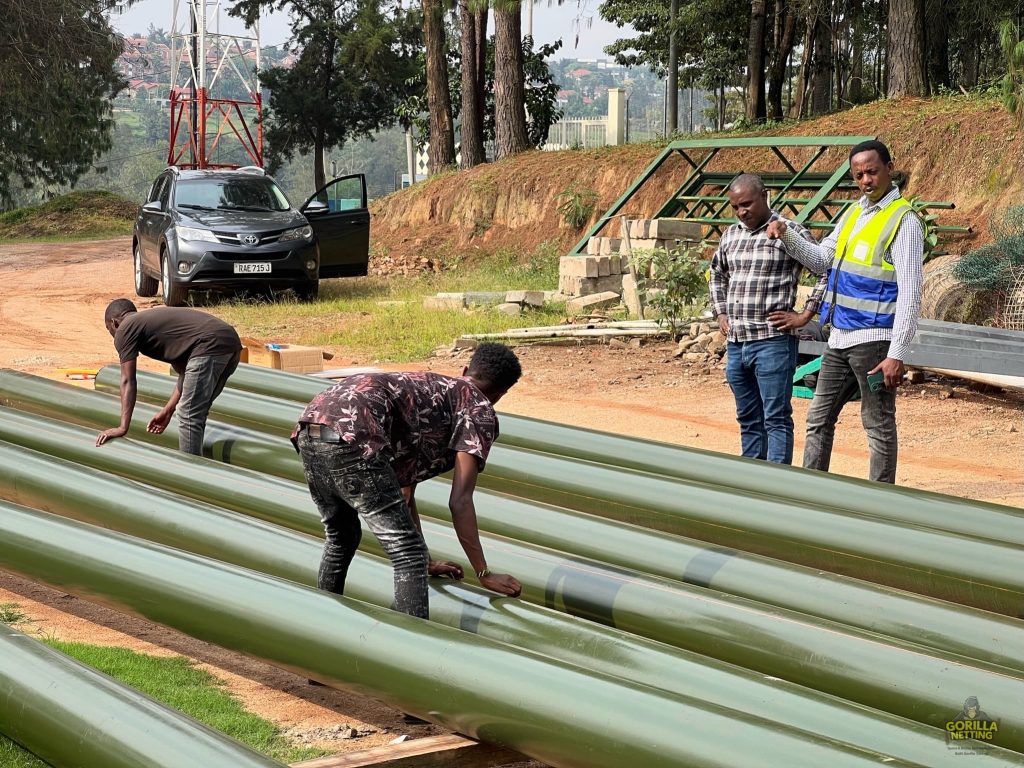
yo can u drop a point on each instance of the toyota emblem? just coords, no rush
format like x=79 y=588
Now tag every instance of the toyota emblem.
x=251 y=240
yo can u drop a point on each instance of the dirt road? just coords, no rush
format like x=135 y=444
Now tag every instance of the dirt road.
x=952 y=440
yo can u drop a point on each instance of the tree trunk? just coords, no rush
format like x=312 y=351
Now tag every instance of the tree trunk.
x=805 y=67
x=471 y=144
x=937 y=39
x=319 y=171
x=756 y=110
x=480 y=14
x=856 y=90
x=783 y=38
x=441 y=153
x=970 y=56
x=821 y=77
x=906 y=49
x=509 y=98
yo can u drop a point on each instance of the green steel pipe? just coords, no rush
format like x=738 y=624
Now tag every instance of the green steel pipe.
x=72 y=716
x=551 y=711
x=901 y=678
x=200 y=529
x=977 y=572
x=933 y=623
x=974 y=518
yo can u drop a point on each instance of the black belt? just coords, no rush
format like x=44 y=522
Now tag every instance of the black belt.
x=322 y=433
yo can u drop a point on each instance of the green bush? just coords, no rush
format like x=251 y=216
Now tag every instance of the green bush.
x=577 y=205
x=673 y=283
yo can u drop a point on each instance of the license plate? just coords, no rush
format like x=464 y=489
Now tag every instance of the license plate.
x=252 y=268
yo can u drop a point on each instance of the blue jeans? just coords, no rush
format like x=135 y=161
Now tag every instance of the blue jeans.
x=760 y=374
x=843 y=374
x=345 y=487
x=204 y=378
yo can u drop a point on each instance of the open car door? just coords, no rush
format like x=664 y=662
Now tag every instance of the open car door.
x=341 y=222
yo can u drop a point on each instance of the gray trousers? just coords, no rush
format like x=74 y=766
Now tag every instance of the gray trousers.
x=844 y=373
x=203 y=380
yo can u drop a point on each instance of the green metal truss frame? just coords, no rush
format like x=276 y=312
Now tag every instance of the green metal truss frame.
x=710 y=209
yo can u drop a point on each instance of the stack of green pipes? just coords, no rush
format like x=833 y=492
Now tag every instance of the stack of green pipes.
x=912 y=657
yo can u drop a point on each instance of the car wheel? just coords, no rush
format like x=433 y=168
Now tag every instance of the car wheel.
x=308 y=291
x=145 y=285
x=173 y=295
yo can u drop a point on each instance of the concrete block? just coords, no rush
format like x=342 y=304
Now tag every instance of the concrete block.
x=573 y=285
x=439 y=303
x=594 y=301
x=630 y=296
x=644 y=244
x=485 y=297
x=677 y=229
x=579 y=266
x=610 y=245
x=608 y=283
x=535 y=298
x=512 y=309
x=638 y=229
x=555 y=297
x=604 y=266
x=594 y=245
x=615 y=264
x=515 y=297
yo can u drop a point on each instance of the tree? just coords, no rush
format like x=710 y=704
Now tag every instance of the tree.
x=756 y=109
x=906 y=54
x=783 y=40
x=471 y=138
x=58 y=75
x=509 y=99
x=353 y=57
x=441 y=153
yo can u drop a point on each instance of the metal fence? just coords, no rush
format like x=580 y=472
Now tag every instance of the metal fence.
x=578 y=133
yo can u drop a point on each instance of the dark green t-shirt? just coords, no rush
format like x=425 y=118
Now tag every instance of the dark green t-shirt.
x=174 y=335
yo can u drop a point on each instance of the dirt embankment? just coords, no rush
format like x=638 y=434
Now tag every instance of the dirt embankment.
x=958 y=149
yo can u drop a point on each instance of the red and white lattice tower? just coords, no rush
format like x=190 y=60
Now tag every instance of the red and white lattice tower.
x=215 y=94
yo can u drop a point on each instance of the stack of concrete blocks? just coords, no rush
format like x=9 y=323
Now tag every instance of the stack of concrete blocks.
x=603 y=277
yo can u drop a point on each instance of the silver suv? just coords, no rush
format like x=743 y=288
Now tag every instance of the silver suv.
x=235 y=231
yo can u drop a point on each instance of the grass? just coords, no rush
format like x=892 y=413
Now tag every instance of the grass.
x=74 y=216
x=181 y=686
x=383 y=319
x=11 y=614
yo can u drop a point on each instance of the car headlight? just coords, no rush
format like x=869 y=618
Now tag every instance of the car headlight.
x=299 y=233
x=192 y=233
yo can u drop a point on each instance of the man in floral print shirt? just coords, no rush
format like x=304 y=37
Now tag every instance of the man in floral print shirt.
x=368 y=440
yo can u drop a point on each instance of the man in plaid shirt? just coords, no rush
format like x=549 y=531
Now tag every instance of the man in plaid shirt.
x=753 y=290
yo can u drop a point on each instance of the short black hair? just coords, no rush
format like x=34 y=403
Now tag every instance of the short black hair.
x=750 y=181
x=872 y=145
x=118 y=307
x=495 y=365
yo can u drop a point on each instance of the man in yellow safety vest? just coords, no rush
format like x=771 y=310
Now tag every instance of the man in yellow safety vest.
x=874 y=262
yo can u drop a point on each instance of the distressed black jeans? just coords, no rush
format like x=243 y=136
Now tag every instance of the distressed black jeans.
x=844 y=373
x=345 y=487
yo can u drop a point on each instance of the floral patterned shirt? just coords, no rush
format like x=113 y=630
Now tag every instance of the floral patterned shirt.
x=419 y=420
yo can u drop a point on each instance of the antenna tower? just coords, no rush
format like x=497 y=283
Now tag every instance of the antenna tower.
x=215 y=94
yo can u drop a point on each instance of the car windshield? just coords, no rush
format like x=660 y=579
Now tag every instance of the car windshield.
x=241 y=194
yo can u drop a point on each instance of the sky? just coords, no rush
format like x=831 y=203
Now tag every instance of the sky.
x=550 y=22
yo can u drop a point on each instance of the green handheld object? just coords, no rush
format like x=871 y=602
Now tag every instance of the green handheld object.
x=876 y=381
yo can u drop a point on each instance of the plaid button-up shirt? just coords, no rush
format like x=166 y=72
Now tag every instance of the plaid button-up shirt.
x=751 y=276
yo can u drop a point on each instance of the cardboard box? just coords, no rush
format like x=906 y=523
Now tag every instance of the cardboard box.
x=285 y=357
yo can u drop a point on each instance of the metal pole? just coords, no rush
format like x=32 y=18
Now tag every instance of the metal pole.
x=231 y=538
x=831 y=492
x=924 y=560
x=673 y=69
x=932 y=623
x=471 y=685
x=69 y=714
